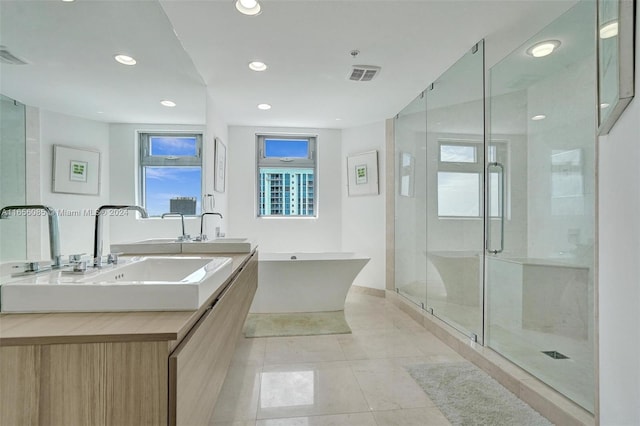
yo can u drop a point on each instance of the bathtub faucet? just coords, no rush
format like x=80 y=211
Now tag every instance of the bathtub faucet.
x=97 y=240
x=184 y=236
x=203 y=237
x=54 y=230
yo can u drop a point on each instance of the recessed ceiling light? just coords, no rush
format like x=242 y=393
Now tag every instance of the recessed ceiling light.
x=67 y=1
x=168 y=103
x=125 y=59
x=264 y=107
x=608 y=30
x=98 y=112
x=543 y=48
x=538 y=117
x=604 y=105
x=338 y=119
x=257 y=66
x=248 y=7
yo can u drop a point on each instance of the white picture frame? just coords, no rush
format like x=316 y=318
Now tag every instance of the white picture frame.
x=75 y=171
x=220 y=158
x=362 y=173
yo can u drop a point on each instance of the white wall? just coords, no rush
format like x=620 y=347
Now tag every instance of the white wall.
x=363 y=217
x=76 y=232
x=124 y=185
x=619 y=285
x=285 y=234
x=216 y=128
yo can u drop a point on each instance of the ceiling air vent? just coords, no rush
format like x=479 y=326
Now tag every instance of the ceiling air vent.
x=7 y=57
x=364 y=72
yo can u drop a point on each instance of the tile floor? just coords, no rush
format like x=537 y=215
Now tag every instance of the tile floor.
x=348 y=379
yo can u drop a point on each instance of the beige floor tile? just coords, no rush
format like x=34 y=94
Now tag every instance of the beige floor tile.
x=411 y=417
x=386 y=385
x=388 y=344
x=285 y=350
x=238 y=399
x=356 y=419
x=309 y=389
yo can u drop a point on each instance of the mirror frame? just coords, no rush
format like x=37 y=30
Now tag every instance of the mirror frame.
x=625 y=64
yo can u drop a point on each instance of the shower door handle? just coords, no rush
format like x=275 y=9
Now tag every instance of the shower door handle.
x=501 y=206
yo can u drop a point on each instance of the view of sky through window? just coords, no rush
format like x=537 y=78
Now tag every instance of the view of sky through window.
x=164 y=183
x=286 y=148
x=178 y=146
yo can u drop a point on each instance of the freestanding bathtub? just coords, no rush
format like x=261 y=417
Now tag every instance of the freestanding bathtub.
x=305 y=282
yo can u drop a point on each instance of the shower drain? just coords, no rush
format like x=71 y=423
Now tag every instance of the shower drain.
x=555 y=354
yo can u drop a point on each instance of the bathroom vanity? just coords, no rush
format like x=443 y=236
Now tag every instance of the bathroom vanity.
x=123 y=368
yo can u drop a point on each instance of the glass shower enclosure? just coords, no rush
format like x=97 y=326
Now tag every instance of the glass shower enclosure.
x=495 y=202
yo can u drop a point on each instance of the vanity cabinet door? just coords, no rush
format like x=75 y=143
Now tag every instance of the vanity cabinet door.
x=198 y=366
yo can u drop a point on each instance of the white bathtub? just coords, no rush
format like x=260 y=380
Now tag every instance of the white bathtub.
x=305 y=282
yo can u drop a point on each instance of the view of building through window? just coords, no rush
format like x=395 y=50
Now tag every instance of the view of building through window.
x=171 y=173
x=287 y=192
x=287 y=176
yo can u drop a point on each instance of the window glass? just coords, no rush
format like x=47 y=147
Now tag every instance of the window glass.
x=458 y=194
x=287 y=176
x=176 y=146
x=458 y=153
x=287 y=148
x=170 y=173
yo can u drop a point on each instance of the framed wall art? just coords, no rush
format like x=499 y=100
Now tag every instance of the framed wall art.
x=75 y=171
x=362 y=173
x=220 y=166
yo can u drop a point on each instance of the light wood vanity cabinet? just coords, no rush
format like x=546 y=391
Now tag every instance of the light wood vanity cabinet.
x=135 y=368
x=198 y=366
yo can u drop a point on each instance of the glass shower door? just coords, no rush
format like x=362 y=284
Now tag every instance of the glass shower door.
x=12 y=178
x=410 y=202
x=455 y=182
x=540 y=226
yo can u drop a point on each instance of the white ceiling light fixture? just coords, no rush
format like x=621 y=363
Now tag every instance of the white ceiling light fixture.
x=257 y=66
x=610 y=29
x=604 y=105
x=125 y=59
x=167 y=103
x=264 y=107
x=538 y=117
x=248 y=7
x=543 y=48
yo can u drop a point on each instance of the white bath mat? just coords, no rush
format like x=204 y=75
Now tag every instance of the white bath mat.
x=468 y=396
x=296 y=324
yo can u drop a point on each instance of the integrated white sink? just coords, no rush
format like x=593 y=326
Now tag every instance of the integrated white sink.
x=218 y=245
x=139 y=284
x=173 y=246
x=150 y=246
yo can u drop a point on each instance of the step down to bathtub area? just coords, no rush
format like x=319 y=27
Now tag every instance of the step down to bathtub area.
x=555 y=354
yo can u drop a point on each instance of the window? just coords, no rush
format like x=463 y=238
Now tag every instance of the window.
x=286 y=176
x=171 y=173
x=459 y=178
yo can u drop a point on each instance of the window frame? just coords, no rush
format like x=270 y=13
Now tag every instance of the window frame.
x=310 y=162
x=477 y=167
x=145 y=159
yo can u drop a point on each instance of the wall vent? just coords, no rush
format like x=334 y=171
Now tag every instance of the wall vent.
x=364 y=72
x=7 y=57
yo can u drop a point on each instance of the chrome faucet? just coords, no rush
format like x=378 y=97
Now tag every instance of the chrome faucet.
x=97 y=240
x=203 y=237
x=184 y=236
x=54 y=229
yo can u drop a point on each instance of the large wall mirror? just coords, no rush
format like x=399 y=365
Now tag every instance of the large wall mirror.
x=615 y=60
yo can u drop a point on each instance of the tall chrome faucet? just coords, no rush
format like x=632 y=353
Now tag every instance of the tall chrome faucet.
x=97 y=241
x=54 y=230
x=203 y=237
x=184 y=236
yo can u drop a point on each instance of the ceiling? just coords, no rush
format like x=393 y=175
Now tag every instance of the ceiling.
x=186 y=48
